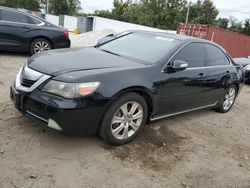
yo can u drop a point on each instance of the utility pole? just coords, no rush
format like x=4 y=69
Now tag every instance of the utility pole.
x=188 y=10
x=47 y=6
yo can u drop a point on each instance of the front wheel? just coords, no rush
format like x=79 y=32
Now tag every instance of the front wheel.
x=124 y=119
x=227 y=102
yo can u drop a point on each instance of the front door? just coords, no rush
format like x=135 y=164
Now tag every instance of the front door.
x=184 y=90
x=219 y=72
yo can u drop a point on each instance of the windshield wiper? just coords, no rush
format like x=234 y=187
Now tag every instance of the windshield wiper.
x=110 y=52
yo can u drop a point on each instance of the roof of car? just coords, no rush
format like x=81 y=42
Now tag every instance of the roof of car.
x=170 y=35
x=25 y=13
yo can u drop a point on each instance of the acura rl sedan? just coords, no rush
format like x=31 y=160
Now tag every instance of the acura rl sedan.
x=115 y=88
x=23 y=32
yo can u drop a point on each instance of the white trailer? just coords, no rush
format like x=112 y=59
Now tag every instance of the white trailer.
x=100 y=24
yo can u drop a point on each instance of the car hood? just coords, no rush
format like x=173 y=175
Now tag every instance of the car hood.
x=57 y=62
x=242 y=61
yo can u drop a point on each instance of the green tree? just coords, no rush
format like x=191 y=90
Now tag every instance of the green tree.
x=155 y=13
x=120 y=10
x=246 y=29
x=34 y=5
x=69 y=7
x=64 y=7
x=240 y=27
x=223 y=23
x=203 y=12
x=73 y=7
x=58 y=7
x=235 y=25
x=165 y=14
x=103 y=13
x=136 y=14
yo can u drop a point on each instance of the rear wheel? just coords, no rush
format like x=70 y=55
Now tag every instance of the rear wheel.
x=124 y=119
x=39 y=45
x=227 y=102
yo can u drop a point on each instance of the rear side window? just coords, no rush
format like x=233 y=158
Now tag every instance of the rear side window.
x=33 y=20
x=193 y=54
x=11 y=16
x=215 y=56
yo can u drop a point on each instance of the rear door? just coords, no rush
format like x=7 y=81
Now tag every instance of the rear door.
x=13 y=26
x=184 y=90
x=219 y=72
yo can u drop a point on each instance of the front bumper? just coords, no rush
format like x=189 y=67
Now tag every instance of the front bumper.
x=72 y=116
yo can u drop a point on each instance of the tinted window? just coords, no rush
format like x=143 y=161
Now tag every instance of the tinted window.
x=215 y=56
x=33 y=20
x=12 y=16
x=145 y=47
x=193 y=54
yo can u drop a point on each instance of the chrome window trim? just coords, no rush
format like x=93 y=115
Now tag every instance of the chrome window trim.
x=182 y=112
x=208 y=67
x=196 y=67
x=41 y=24
x=18 y=85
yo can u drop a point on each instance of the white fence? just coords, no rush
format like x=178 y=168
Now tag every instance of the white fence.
x=52 y=19
x=70 y=22
x=100 y=23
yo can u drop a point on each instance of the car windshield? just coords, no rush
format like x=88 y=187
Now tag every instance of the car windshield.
x=147 y=48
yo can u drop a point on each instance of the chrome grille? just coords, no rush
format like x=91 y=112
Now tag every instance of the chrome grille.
x=29 y=76
x=27 y=82
x=28 y=79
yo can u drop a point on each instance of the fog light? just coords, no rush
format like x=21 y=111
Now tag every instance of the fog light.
x=52 y=124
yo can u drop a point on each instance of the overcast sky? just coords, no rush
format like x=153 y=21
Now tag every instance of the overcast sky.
x=237 y=8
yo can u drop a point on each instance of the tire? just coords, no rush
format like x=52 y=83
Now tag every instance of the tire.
x=122 y=129
x=222 y=108
x=41 y=43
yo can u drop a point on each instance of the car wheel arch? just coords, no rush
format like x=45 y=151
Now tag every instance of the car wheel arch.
x=236 y=84
x=42 y=37
x=142 y=91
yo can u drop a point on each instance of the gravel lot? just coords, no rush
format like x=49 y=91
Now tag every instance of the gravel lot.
x=198 y=149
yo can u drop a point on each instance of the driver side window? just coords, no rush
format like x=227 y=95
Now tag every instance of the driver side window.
x=193 y=54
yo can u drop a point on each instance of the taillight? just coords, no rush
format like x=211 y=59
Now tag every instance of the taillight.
x=66 y=33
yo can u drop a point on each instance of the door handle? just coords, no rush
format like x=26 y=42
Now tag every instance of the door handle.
x=201 y=75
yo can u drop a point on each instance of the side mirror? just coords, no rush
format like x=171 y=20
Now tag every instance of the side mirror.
x=177 y=65
x=110 y=35
x=105 y=39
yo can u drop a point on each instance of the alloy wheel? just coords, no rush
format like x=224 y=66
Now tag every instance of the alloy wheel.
x=229 y=98
x=127 y=120
x=41 y=46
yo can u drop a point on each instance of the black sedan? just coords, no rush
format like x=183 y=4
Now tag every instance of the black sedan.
x=245 y=62
x=23 y=32
x=115 y=88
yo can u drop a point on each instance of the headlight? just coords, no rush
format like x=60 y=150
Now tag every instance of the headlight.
x=247 y=67
x=70 y=90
